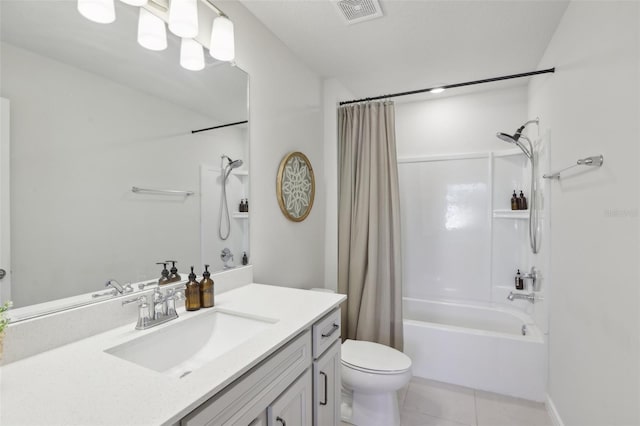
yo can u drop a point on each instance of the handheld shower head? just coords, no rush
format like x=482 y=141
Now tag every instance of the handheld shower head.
x=515 y=139
x=506 y=137
x=234 y=164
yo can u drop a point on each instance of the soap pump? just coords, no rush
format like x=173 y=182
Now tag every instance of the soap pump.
x=174 y=276
x=192 y=293
x=523 y=201
x=164 y=275
x=514 y=201
x=206 y=289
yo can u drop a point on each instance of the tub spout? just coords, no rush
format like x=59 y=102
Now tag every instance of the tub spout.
x=531 y=297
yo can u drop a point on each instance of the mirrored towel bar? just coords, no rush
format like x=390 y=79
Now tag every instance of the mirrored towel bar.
x=596 y=160
x=138 y=190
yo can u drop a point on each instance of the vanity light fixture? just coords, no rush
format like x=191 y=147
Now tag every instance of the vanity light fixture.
x=100 y=11
x=222 y=46
x=152 y=32
x=191 y=55
x=183 y=18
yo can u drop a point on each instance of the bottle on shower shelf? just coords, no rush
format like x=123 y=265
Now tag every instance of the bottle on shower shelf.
x=514 y=201
x=523 y=202
x=246 y=205
x=518 y=281
x=241 y=207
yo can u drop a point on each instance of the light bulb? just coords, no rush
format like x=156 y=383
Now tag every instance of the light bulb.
x=191 y=55
x=100 y=11
x=183 y=18
x=135 y=2
x=222 y=46
x=152 y=33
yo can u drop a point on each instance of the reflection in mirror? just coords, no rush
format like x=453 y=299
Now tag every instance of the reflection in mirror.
x=94 y=114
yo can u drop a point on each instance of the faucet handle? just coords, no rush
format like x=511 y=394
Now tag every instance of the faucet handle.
x=140 y=299
x=144 y=316
x=172 y=296
x=141 y=286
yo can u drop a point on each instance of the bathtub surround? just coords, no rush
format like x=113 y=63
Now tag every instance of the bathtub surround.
x=369 y=237
x=594 y=330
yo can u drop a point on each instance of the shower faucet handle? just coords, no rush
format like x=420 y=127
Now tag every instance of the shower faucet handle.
x=533 y=276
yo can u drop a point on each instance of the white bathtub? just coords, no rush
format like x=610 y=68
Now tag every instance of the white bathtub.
x=476 y=346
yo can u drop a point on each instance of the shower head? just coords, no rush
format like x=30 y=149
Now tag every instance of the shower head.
x=515 y=139
x=233 y=164
x=506 y=137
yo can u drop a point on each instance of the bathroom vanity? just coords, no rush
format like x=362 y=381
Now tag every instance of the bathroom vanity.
x=271 y=356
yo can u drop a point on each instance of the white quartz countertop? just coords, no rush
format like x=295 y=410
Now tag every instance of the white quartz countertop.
x=80 y=384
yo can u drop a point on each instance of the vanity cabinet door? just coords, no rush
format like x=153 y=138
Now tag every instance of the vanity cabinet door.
x=260 y=421
x=293 y=407
x=326 y=388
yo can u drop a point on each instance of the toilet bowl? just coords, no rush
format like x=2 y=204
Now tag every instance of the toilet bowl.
x=373 y=373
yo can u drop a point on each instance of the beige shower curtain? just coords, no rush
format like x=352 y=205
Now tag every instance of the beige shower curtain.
x=369 y=247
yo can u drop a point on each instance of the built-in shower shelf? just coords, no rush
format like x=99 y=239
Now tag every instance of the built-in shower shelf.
x=239 y=215
x=510 y=214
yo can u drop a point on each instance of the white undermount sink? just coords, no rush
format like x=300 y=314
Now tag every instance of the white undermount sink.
x=178 y=349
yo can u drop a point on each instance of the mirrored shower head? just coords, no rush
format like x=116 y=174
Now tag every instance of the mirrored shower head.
x=235 y=164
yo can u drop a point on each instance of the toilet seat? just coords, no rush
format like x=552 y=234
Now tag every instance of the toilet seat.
x=374 y=358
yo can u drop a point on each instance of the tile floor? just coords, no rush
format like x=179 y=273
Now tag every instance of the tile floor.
x=430 y=403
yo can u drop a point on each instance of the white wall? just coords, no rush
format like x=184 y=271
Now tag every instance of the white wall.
x=458 y=124
x=285 y=116
x=590 y=106
x=79 y=143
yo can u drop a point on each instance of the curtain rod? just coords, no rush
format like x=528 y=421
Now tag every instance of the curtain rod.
x=450 y=86
x=220 y=126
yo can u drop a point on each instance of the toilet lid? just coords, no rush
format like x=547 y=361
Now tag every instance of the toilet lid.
x=374 y=356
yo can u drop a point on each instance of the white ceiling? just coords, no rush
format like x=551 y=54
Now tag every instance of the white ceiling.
x=416 y=44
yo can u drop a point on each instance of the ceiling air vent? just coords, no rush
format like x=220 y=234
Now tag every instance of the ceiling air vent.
x=354 y=11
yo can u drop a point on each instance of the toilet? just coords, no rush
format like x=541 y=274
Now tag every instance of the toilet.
x=373 y=373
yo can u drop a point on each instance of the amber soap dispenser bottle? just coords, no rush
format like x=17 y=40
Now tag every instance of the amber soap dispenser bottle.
x=192 y=293
x=206 y=288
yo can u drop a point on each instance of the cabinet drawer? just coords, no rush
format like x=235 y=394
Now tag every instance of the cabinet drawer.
x=325 y=332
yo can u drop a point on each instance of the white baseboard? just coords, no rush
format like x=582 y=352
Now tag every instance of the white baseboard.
x=553 y=412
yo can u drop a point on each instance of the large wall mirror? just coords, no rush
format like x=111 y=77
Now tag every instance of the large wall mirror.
x=93 y=114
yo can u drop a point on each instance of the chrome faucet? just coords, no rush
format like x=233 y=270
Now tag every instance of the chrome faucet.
x=531 y=297
x=162 y=310
x=127 y=288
